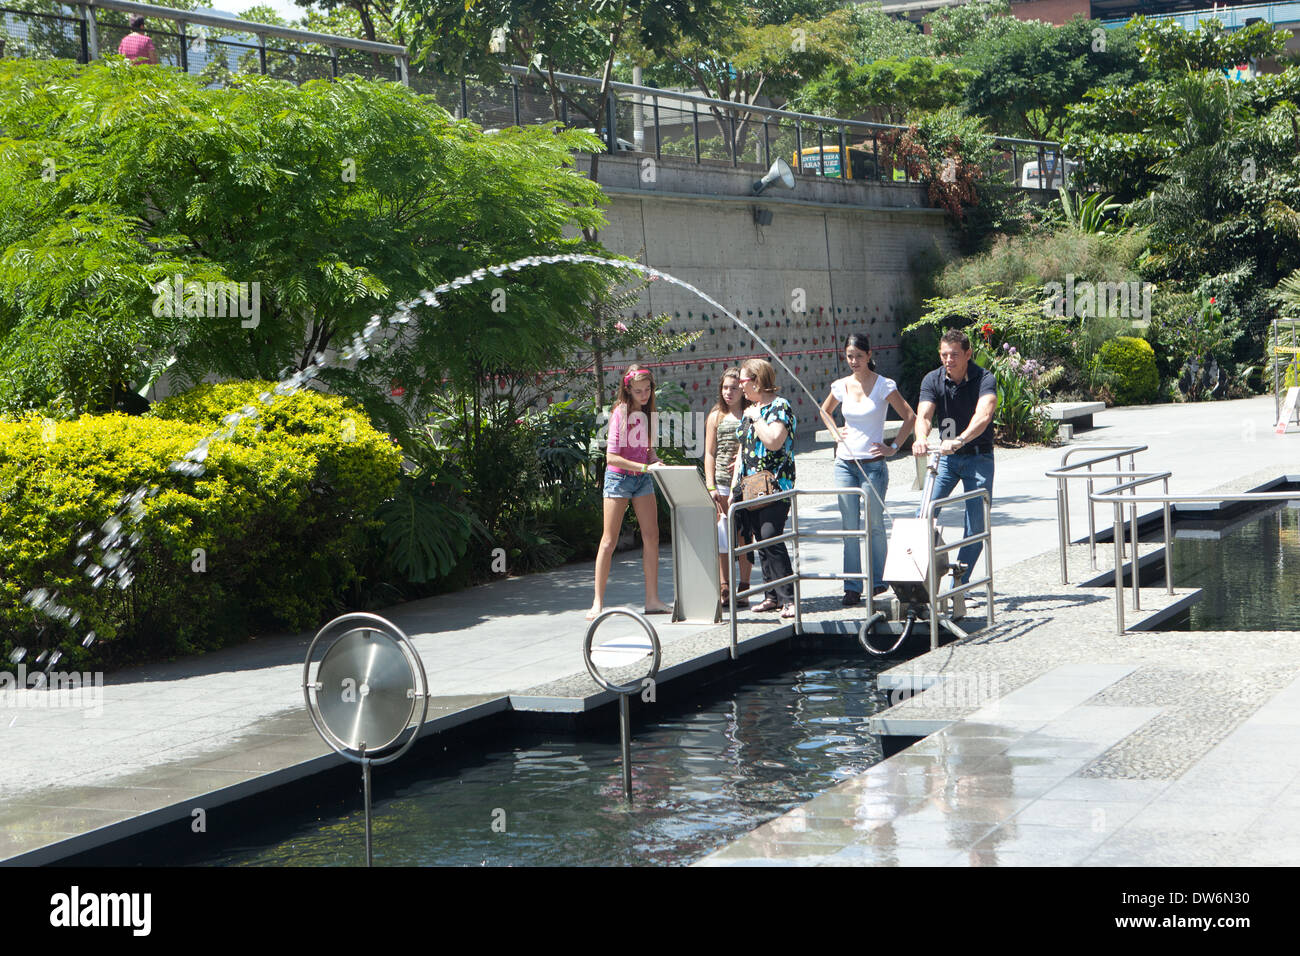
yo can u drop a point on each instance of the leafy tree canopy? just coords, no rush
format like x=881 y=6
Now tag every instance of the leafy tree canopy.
x=888 y=89
x=1168 y=47
x=1029 y=71
x=335 y=198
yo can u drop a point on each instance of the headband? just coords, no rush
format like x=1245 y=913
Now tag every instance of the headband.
x=631 y=375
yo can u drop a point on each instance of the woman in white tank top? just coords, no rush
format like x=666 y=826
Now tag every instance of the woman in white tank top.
x=861 y=455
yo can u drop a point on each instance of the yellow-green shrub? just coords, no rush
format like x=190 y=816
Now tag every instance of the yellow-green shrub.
x=1128 y=366
x=282 y=515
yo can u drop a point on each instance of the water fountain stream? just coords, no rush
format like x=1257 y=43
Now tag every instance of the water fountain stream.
x=116 y=544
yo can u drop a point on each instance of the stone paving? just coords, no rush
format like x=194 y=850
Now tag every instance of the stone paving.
x=1052 y=740
x=233 y=722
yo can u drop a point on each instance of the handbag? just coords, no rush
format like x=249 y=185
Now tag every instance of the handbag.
x=756 y=485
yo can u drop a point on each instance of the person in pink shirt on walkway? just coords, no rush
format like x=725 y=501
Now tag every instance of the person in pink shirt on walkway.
x=136 y=45
x=628 y=458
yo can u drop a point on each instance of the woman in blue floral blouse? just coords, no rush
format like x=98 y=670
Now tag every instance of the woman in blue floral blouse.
x=766 y=440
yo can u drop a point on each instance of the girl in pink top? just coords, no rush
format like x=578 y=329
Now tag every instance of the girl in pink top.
x=136 y=45
x=628 y=460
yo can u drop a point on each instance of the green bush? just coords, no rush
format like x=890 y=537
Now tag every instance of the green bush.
x=282 y=513
x=1127 y=366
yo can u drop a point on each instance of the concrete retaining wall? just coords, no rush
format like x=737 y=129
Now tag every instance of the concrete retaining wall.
x=845 y=248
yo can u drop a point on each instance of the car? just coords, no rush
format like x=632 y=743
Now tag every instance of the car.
x=1050 y=177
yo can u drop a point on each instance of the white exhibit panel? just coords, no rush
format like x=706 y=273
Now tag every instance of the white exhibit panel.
x=695 y=543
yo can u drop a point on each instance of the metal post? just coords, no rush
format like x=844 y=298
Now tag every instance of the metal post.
x=654 y=108
x=988 y=550
x=875 y=154
x=931 y=579
x=844 y=157
x=90 y=33
x=767 y=146
x=464 y=99
x=798 y=146
x=611 y=124
x=184 y=45
x=365 y=785
x=695 y=121
x=864 y=544
x=732 y=571
x=1092 y=524
x=735 y=147
x=1060 y=528
x=1119 y=571
x=85 y=42
x=798 y=613
x=261 y=53
x=625 y=729
x=1137 y=593
x=638 y=113
x=821 y=151
x=514 y=96
x=404 y=70
x=1169 y=546
x=334 y=63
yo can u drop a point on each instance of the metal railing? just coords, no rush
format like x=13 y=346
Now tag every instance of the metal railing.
x=932 y=575
x=1122 y=494
x=218 y=44
x=796 y=576
x=1112 y=495
x=663 y=122
x=1232 y=18
x=794 y=535
x=1067 y=471
x=654 y=121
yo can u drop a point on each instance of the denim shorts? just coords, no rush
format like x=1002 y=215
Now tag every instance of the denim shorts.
x=619 y=485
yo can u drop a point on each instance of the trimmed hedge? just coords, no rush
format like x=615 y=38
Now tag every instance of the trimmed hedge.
x=282 y=514
x=1128 y=366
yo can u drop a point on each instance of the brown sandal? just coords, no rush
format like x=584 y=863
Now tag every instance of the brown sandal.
x=768 y=605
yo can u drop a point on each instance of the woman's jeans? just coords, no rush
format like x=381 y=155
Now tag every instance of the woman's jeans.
x=848 y=475
x=768 y=522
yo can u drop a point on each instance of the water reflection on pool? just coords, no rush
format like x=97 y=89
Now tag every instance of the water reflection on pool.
x=703 y=776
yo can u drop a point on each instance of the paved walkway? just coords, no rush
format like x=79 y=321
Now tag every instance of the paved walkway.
x=201 y=718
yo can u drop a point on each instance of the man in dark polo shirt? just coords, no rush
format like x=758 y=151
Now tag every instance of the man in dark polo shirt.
x=960 y=399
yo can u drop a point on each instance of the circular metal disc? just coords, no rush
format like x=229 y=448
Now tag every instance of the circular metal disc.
x=367 y=689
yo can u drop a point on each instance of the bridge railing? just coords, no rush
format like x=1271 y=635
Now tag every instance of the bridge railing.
x=200 y=42
x=643 y=119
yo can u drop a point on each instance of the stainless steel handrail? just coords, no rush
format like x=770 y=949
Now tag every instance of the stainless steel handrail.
x=735 y=106
x=932 y=573
x=1063 y=494
x=793 y=535
x=1113 y=496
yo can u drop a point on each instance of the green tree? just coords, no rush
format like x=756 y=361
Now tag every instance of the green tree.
x=1028 y=72
x=952 y=29
x=887 y=89
x=1168 y=47
x=884 y=36
x=746 y=59
x=336 y=198
x=472 y=37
